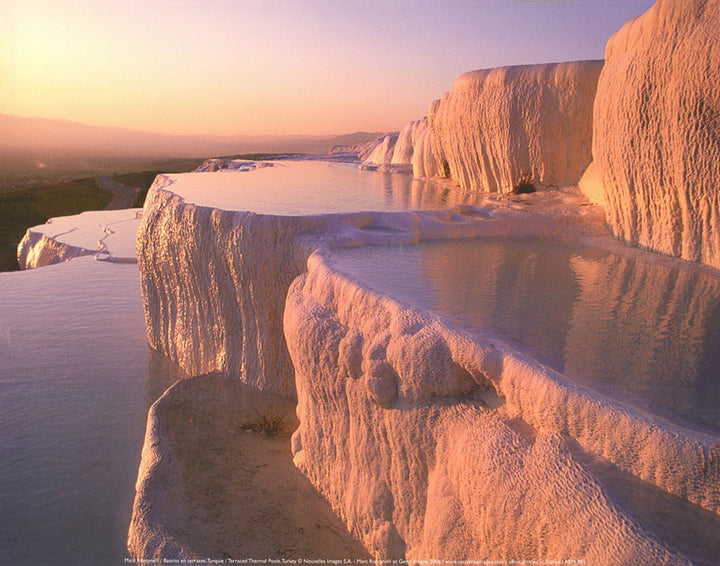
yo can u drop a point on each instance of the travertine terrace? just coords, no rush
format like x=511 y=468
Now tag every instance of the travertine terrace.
x=497 y=127
x=384 y=391
x=106 y=234
x=656 y=134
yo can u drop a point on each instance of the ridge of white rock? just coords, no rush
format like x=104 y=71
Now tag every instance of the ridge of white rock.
x=109 y=235
x=221 y=164
x=260 y=505
x=150 y=534
x=410 y=430
x=656 y=138
x=425 y=161
x=399 y=387
x=382 y=156
x=496 y=127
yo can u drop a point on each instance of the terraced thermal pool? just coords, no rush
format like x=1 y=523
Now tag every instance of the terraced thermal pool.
x=638 y=331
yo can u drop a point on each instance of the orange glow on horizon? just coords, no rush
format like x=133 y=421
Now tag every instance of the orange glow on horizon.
x=257 y=67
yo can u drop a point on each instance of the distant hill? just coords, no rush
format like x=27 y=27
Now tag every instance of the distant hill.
x=353 y=139
x=40 y=142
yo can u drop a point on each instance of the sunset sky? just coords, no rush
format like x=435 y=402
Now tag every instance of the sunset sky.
x=286 y=67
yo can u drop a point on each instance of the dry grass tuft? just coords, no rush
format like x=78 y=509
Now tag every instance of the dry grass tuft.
x=269 y=421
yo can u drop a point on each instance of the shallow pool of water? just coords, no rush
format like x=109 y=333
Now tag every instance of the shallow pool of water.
x=293 y=188
x=638 y=331
x=76 y=380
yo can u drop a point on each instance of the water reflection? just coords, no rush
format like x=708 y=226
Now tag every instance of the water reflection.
x=650 y=331
x=76 y=380
x=641 y=332
x=315 y=187
x=72 y=375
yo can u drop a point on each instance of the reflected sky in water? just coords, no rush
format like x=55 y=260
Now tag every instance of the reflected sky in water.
x=76 y=380
x=644 y=333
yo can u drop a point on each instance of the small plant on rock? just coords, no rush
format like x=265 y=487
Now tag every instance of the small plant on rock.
x=268 y=421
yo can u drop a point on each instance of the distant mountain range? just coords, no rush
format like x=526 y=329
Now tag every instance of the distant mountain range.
x=63 y=135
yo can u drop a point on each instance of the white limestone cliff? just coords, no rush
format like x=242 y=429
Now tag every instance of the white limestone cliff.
x=496 y=127
x=361 y=150
x=397 y=152
x=425 y=161
x=656 y=138
x=212 y=292
x=214 y=300
x=214 y=281
x=382 y=155
x=428 y=442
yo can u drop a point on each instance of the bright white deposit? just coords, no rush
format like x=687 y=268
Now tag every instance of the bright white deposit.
x=107 y=234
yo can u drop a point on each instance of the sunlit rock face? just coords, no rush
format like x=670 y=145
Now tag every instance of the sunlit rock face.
x=497 y=127
x=656 y=139
x=213 y=285
x=403 y=151
x=427 y=157
x=405 y=427
x=38 y=250
x=363 y=150
x=391 y=153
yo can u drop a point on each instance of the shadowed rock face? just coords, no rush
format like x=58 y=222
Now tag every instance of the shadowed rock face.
x=656 y=138
x=210 y=487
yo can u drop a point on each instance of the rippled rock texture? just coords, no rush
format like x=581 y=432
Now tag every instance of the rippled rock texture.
x=498 y=128
x=656 y=139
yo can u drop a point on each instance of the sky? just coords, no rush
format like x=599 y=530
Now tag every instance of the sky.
x=297 y=67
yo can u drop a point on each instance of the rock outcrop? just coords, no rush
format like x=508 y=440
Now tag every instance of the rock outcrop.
x=428 y=441
x=498 y=127
x=656 y=138
x=214 y=281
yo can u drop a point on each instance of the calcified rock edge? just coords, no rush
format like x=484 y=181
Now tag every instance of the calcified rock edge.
x=429 y=443
x=101 y=233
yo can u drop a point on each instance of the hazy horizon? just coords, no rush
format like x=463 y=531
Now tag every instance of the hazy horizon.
x=252 y=68
x=72 y=123
x=31 y=146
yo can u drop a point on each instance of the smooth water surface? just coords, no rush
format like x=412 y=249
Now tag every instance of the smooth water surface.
x=76 y=381
x=294 y=188
x=635 y=330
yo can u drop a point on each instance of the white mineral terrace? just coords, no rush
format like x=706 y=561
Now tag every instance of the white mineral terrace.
x=425 y=439
x=107 y=234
